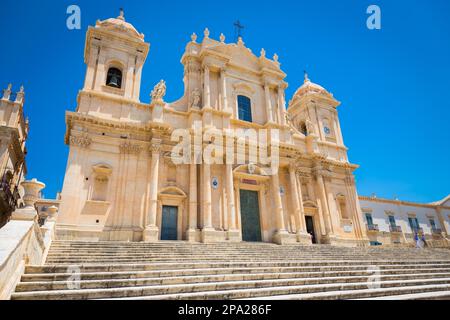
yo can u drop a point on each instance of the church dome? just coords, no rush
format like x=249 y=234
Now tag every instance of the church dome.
x=120 y=25
x=311 y=87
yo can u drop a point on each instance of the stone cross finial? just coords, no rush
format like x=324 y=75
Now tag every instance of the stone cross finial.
x=306 y=76
x=194 y=37
x=121 y=14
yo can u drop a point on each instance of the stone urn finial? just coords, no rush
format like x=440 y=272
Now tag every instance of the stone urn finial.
x=52 y=211
x=32 y=189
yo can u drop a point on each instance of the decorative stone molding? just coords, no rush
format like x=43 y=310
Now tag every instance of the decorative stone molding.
x=158 y=92
x=130 y=148
x=82 y=141
x=195 y=102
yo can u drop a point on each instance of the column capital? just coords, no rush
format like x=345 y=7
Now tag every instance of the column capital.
x=155 y=145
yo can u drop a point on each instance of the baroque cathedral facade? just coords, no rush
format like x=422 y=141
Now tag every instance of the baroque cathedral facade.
x=121 y=183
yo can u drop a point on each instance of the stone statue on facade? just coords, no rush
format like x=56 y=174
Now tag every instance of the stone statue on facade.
x=158 y=92
x=195 y=98
x=310 y=127
x=290 y=123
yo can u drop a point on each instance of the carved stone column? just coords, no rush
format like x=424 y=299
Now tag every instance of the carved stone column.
x=151 y=232
x=208 y=230
x=324 y=204
x=281 y=234
x=297 y=204
x=223 y=88
x=233 y=233
x=206 y=88
x=192 y=202
x=268 y=103
x=281 y=105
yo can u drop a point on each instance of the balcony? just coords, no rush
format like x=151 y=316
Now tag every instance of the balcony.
x=8 y=196
x=417 y=230
x=436 y=231
x=395 y=229
x=372 y=228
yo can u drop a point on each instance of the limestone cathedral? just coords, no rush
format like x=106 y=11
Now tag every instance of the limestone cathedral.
x=121 y=183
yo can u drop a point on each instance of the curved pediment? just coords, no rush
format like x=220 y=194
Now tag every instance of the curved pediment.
x=310 y=204
x=252 y=169
x=172 y=191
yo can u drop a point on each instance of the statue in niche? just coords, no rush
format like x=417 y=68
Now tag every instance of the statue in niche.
x=195 y=98
x=310 y=127
x=159 y=91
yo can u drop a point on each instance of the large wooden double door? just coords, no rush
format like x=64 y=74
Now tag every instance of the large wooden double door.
x=250 y=218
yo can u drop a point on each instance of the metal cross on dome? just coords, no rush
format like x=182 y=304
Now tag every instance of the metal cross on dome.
x=238 y=28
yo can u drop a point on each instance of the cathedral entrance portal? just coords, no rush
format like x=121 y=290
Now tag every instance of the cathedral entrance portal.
x=250 y=219
x=310 y=228
x=169 y=223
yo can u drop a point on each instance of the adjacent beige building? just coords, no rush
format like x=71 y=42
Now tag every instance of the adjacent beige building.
x=121 y=182
x=13 y=135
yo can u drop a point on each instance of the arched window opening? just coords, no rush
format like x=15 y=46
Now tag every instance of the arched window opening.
x=245 y=108
x=114 y=78
x=302 y=128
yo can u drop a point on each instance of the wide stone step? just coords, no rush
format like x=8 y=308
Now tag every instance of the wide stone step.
x=208 y=264
x=289 y=278
x=436 y=291
x=312 y=271
x=219 y=290
x=210 y=271
x=433 y=295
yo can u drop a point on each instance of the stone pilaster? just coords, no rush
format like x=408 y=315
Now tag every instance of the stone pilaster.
x=206 y=88
x=281 y=235
x=268 y=103
x=208 y=232
x=233 y=233
x=151 y=232
x=297 y=204
x=320 y=186
x=281 y=105
x=191 y=234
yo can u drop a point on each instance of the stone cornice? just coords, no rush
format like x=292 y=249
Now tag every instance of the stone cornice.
x=400 y=202
x=113 y=97
x=72 y=117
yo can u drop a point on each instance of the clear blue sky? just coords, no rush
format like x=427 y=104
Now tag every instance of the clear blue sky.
x=393 y=83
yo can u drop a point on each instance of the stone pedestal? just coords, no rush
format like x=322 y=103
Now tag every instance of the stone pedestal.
x=151 y=234
x=303 y=238
x=283 y=237
x=234 y=236
x=192 y=235
x=209 y=235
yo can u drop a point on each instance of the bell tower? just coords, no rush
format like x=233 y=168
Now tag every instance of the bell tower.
x=115 y=53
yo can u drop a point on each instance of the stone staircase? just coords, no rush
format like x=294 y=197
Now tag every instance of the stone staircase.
x=180 y=270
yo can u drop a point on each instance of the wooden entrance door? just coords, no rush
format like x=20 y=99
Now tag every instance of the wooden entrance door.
x=250 y=220
x=169 y=223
